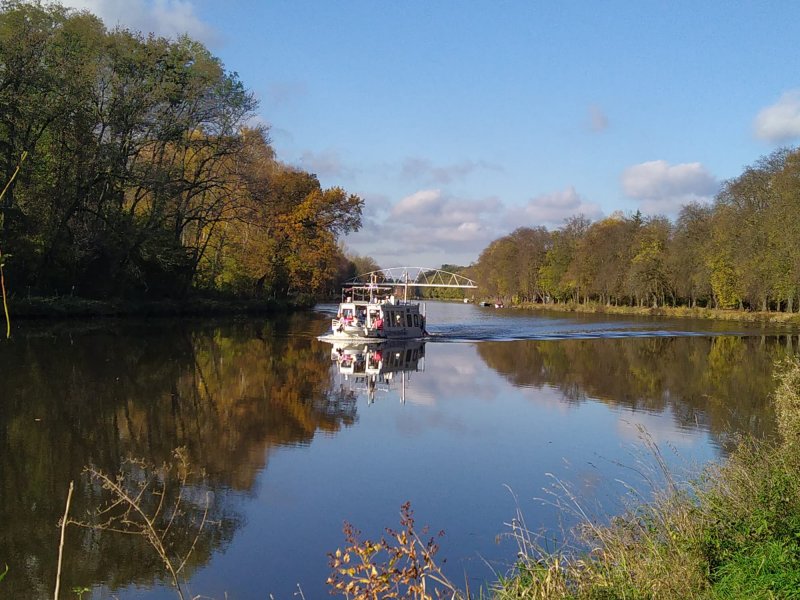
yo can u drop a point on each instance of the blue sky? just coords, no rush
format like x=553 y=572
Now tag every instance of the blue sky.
x=459 y=121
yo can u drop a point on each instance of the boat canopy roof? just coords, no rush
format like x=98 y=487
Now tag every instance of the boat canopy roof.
x=369 y=292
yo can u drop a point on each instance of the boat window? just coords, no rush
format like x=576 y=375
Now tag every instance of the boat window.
x=398 y=319
x=416 y=320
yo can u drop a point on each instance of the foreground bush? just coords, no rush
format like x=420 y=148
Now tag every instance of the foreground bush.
x=400 y=565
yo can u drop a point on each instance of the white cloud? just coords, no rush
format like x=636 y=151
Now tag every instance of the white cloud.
x=168 y=18
x=661 y=188
x=780 y=122
x=463 y=232
x=423 y=170
x=430 y=228
x=598 y=120
x=425 y=203
x=551 y=209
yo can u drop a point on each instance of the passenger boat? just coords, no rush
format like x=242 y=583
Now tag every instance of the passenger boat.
x=370 y=312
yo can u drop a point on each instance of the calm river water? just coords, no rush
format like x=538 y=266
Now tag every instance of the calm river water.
x=287 y=437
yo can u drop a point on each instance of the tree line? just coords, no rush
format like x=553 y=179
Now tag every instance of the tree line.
x=741 y=251
x=138 y=172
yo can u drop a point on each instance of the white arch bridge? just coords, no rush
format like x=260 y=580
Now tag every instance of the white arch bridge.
x=414 y=277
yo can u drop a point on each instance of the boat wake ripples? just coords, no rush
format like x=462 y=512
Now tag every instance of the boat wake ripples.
x=456 y=336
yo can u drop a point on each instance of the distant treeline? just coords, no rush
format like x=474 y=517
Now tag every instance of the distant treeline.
x=138 y=174
x=742 y=251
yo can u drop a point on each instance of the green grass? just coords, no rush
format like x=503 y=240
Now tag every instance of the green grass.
x=733 y=533
x=768 y=569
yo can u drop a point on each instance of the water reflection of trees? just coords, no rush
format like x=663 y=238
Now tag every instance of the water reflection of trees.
x=75 y=397
x=720 y=382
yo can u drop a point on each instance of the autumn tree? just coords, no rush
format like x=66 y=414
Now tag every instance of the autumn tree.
x=783 y=224
x=603 y=255
x=531 y=249
x=283 y=240
x=361 y=264
x=648 y=277
x=496 y=269
x=689 y=249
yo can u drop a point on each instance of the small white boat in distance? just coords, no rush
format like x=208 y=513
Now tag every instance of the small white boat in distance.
x=370 y=312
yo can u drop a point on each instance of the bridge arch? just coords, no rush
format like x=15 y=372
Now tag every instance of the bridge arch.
x=416 y=277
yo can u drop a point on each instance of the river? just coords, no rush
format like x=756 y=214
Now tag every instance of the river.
x=287 y=437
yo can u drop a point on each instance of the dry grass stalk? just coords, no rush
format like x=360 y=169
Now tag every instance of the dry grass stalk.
x=2 y=274
x=129 y=509
x=63 y=526
x=787 y=403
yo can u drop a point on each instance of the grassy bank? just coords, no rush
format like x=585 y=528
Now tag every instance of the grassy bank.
x=74 y=307
x=732 y=533
x=779 y=318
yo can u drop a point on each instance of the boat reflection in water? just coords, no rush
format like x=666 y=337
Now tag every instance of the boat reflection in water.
x=378 y=367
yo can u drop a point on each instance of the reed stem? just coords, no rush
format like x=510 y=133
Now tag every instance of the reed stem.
x=61 y=545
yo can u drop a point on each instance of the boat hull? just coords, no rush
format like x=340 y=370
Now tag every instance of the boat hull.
x=335 y=336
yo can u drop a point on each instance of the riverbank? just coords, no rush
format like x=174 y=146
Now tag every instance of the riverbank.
x=732 y=533
x=67 y=307
x=682 y=312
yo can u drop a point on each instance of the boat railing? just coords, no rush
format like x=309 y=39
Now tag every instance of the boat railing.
x=373 y=294
x=365 y=293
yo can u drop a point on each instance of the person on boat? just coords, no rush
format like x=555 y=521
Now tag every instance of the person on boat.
x=372 y=317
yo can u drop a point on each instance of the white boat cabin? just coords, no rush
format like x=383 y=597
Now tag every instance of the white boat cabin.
x=378 y=317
